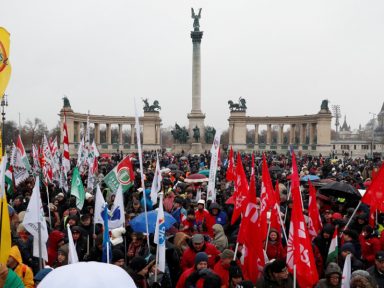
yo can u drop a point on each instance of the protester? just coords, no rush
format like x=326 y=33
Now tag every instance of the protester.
x=222 y=267
x=275 y=274
x=332 y=277
x=275 y=249
x=23 y=271
x=220 y=240
x=377 y=270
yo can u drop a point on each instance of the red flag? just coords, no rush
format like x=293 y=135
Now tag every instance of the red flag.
x=66 y=161
x=241 y=190
x=275 y=221
x=266 y=199
x=230 y=176
x=300 y=253
x=314 y=225
x=248 y=235
x=374 y=196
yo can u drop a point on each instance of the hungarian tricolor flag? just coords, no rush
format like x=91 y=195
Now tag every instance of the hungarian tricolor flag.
x=122 y=175
x=333 y=249
x=300 y=253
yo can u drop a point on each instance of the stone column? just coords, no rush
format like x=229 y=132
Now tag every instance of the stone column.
x=108 y=131
x=312 y=128
x=97 y=133
x=280 y=135
x=120 y=134
x=77 y=131
x=292 y=134
x=256 y=134
x=269 y=134
x=132 y=134
x=303 y=130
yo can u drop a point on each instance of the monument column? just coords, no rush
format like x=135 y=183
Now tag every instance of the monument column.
x=120 y=134
x=108 y=134
x=292 y=134
x=312 y=133
x=132 y=134
x=256 y=134
x=97 y=133
x=196 y=117
x=303 y=133
x=280 y=136
x=269 y=134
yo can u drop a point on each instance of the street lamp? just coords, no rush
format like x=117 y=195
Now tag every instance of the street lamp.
x=337 y=114
x=3 y=104
x=373 y=132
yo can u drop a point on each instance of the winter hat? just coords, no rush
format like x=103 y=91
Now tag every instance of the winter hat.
x=337 y=216
x=117 y=235
x=379 y=255
x=201 y=257
x=197 y=238
x=277 y=266
x=117 y=255
x=351 y=233
x=348 y=247
x=41 y=274
x=361 y=278
x=234 y=270
x=329 y=229
x=227 y=254
x=138 y=263
x=201 y=201
x=332 y=268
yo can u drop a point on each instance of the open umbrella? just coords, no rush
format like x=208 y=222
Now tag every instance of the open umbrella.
x=138 y=223
x=173 y=166
x=310 y=178
x=183 y=158
x=196 y=178
x=88 y=274
x=204 y=172
x=275 y=169
x=340 y=189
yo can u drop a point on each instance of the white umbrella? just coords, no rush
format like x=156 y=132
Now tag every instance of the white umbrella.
x=88 y=274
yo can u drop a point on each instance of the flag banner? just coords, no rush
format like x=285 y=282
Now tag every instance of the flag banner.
x=77 y=188
x=116 y=216
x=36 y=162
x=347 y=271
x=159 y=237
x=5 y=67
x=66 y=163
x=5 y=241
x=211 y=190
x=374 y=196
x=333 y=248
x=107 y=249
x=33 y=216
x=156 y=183
x=314 y=225
x=230 y=175
x=72 y=253
x=122 y=175
x=9 y=181
x=99 y=206
x=20 y=172
x=22 y=156
x=241 y=190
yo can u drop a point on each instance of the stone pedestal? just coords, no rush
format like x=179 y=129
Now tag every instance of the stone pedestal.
x=196 y=148
x=151 y=130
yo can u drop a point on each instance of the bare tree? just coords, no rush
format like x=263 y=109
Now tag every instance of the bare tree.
x=34 y=131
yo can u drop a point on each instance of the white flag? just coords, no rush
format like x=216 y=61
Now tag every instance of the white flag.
x=72 y=253
x=346 y=278
x=4 y=161
x=211 y=191
x=117 y=217
x=159 y=237
x=156 y=183
x=80 y=153
x=33 y=216
x=99 y=206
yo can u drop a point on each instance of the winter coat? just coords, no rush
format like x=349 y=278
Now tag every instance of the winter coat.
x=332 y=268
x=23 y=271
x=223 y=272
x=378 y=277
x=54 y=238
x=275 y=249
x=324 y=243
x=219 y=240
x=183 y=278
x=188 y=257
x=369 y=247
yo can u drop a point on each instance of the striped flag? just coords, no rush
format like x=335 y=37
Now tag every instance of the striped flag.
x=66 y=160
x=333 y=248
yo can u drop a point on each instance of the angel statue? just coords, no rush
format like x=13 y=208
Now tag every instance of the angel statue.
x=196 y=24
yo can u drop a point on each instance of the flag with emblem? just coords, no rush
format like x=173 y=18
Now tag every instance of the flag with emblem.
x=241 y=190
x=159 y=237
x=8 y=178
x=20 y=171
x=116 y=216
x=156 y=183
x=5 y=67
x=122 y=175
x=5 y=238
x=77 y=188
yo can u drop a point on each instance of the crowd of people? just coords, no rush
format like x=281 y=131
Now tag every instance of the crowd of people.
x=201 y=248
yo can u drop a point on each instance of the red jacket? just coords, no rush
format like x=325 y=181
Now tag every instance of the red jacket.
x=369 y=247
x=223 y=273
x=276 y=251
x=185 y=275
x=188 y=257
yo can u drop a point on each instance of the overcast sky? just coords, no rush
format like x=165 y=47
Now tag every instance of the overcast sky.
x=283 y=57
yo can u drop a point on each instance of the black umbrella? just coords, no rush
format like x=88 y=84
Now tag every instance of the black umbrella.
x=275 y=169
x=173 y=166
x=340 y=189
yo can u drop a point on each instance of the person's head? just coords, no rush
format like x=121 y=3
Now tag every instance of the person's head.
x=333 y=274
x=191 y=215
x=198 y=242
x=379 y=261
x=139 y=265
x=62 y=255
x=361 y=278
x=226 y=257
x=361 y=219
x=14 y=258
x=76 y=233
x=201 y=205
x=85 y=220
x=137 y=238
x=273 y=236
x=60 y=197
x=136 y=205
x=72 y=211
x=201 y=261
x=118 y=257
x=350 y=235
x=178 y=202
x=328 y=214
x=279 y=270
x=72 y=220
x=328 y=231
x=214 y=209
x=347 y=248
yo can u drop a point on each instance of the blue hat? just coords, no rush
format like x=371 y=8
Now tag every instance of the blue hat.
x=201 y=257
x=42 y=273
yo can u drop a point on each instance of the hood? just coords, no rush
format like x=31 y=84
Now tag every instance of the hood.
x=218 y=229
x=54 y=238
x=214 y=205
x=277 y=232
x=329 y=229
x=332 y=268
x=15 y=253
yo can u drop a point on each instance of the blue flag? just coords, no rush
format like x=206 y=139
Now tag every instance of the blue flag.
x=107 y=250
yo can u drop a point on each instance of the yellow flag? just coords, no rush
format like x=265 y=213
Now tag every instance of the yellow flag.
x=1 y=143
x=5 y=66
x=5 y=241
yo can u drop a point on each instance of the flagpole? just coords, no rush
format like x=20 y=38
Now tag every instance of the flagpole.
x=294 y=276
x=141 y=169
x=269 y=229
x=353 y=214
x=49 y=210
x=236 y=248
x=157 y=261
x=40 y=252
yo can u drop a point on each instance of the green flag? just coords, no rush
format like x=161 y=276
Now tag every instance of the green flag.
x=122 y=175
x=77 y=188
x=9 y=180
